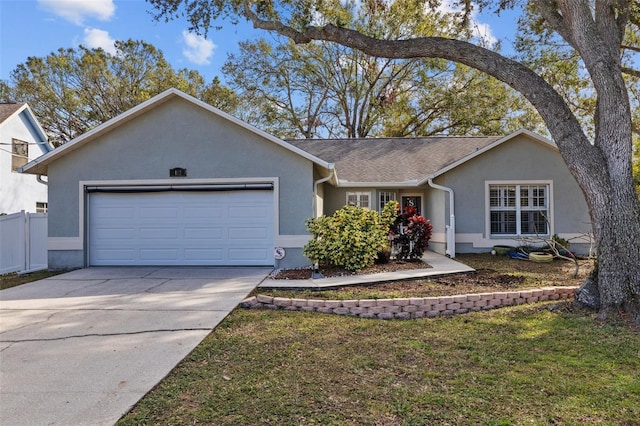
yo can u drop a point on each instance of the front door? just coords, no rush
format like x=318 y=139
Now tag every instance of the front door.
x=412 y=201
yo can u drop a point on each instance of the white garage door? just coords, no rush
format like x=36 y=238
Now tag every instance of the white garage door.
x=181 y=228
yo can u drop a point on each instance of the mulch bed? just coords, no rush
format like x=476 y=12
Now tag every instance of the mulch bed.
x=332 y=271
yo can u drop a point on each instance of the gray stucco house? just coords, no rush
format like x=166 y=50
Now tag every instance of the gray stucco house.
x=175 y=181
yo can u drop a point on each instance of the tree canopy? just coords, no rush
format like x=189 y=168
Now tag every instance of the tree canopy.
x=323 y=89
x=602 y=36
x=73 y=90
x=326 y=90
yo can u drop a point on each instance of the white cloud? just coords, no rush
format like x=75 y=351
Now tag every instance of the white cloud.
x=94 y=38
x=198 y=49
x=76 y=11
x=481 y=31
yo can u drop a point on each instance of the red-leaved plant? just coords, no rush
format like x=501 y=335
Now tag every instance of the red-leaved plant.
x=411 y=233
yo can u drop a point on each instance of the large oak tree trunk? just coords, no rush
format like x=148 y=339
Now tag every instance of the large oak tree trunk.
x=614 y=286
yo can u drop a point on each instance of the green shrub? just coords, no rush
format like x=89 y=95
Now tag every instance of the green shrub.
x=390 y=212
x=561 y=241
x=351 y=238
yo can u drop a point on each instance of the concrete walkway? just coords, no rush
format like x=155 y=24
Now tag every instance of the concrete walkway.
x=81 y=348
x=440 y=265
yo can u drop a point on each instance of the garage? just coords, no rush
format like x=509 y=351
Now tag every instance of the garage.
x=174 y=181
x=216 y=226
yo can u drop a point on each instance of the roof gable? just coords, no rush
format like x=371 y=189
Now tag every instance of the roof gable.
x=11 y=110
x=547 y=143
x=39 y=166
x=402 y=161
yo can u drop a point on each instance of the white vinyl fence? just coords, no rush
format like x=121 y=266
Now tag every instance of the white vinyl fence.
x=23 y=242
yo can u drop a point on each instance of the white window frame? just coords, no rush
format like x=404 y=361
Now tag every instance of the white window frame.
x=42 y=207
x=356 y=198
x=518 y=208
x=384 y=197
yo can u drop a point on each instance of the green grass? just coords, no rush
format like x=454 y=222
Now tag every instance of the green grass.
x=528 y=365
x=12 y=280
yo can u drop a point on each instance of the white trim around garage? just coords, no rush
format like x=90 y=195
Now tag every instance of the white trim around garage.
x=176 y=182
x=292 y=241
x=65 y=243
x=79 y=243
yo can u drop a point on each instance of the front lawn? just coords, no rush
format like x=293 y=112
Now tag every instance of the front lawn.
x=520 y=365
x=539 y=364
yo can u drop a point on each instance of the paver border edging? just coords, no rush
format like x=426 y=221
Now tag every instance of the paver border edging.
x=413 y=307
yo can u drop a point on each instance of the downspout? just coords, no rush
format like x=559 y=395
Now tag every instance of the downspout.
x=315 y=274
x=450 y=249
x=314 y=204
x=42 y=181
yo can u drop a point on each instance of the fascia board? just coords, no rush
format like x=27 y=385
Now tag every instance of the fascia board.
x=407 y=184
x=533 y=136
x=43 y=143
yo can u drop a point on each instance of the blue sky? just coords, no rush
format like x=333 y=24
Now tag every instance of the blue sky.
x=39 y=27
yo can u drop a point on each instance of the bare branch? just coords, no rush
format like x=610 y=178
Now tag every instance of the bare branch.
x=630 y=71
x=628 y=47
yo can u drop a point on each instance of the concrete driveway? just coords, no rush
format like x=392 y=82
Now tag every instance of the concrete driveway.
x=82 y=347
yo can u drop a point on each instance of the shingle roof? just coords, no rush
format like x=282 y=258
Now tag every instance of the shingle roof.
x=6 y=110
x=392 y=160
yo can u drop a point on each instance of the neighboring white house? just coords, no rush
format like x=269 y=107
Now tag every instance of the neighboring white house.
x=22 y=139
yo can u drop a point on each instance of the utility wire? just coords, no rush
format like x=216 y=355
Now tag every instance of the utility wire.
x=28 y=143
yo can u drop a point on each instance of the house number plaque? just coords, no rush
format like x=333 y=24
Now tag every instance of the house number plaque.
x=177 y=172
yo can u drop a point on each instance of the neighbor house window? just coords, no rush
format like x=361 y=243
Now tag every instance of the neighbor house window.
x=19 y=154
x=384 y=198
x=519 y=209
x=41 y=207
x=359 y=199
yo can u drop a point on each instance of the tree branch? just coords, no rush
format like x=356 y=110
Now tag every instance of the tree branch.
x=548 y=10
x=628 y=47
x=552 y=107
x=630 y=71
